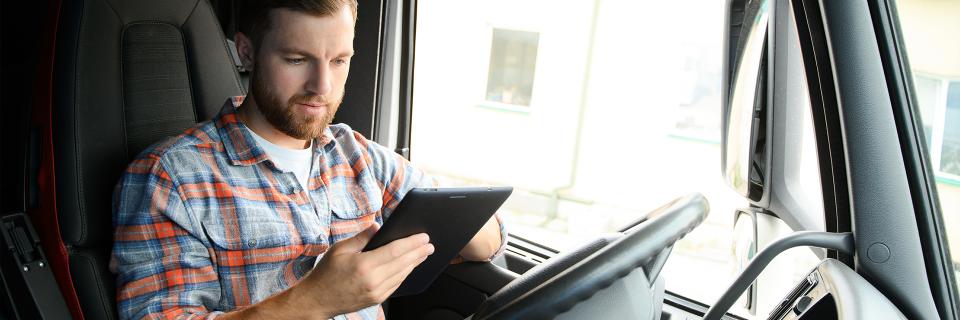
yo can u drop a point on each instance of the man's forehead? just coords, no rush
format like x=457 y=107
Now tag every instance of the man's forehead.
x=304 y=29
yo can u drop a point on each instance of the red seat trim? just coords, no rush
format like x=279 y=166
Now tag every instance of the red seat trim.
x=44 y=216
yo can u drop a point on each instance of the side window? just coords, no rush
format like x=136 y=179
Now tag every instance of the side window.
x=928 y=27
x=601 y=116
x=596 y=112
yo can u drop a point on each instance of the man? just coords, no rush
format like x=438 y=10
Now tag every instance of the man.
x=229 y=218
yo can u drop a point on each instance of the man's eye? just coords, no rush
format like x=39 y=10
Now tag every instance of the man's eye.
x=296 y=61
x=340 y=61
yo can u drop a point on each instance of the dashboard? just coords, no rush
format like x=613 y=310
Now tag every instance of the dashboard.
x=834 y=291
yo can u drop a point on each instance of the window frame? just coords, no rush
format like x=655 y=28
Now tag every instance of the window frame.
x=920 y=172
x=868 y=85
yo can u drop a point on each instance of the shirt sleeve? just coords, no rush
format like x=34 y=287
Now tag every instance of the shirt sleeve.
x=163 y=270
x=503 y=237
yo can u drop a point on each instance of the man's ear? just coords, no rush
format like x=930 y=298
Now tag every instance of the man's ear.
x=245 y=50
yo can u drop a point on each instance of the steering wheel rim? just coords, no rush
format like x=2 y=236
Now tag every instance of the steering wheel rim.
x=643 y=247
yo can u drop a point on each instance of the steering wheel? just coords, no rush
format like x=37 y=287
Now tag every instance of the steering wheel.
x=562 y=282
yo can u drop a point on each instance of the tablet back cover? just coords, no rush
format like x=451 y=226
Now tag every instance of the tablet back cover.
x=451 y=216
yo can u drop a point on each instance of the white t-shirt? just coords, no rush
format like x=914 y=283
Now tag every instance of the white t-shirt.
x=288 y=160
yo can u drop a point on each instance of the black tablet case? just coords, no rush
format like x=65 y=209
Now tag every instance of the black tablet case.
x=450 y=216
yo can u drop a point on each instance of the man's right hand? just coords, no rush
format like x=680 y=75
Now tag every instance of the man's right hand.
x=346 y=279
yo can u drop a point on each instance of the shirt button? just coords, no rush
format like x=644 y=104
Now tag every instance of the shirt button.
x=252 y=243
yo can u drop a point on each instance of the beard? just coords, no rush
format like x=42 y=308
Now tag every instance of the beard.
x=282 y=114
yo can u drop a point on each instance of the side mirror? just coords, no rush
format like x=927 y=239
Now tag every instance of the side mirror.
x=744 y=89
x=744 y=249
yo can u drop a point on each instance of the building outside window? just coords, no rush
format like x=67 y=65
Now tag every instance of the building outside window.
x=950 y=149
x=939 y=104
x=513 y=61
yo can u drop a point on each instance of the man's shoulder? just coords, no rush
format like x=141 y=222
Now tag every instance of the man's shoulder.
x=355 y=145
x=355 y=148
x=343 y=131
x=187 y=145
x=347 y=138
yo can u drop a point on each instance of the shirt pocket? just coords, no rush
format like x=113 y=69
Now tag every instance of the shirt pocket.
x=351 y=199
x=354 y=206
x=344 y=210
x=251 y=234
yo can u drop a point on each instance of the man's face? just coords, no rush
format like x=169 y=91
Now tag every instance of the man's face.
x=300 y=70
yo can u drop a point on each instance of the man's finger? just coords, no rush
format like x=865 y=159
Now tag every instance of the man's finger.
x=396 y=279
x=398 y=248
x=409 y=259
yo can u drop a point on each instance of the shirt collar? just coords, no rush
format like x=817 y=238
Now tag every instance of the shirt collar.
x=240 y=145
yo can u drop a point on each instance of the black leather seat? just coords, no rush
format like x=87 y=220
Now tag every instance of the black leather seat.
x=127 y=73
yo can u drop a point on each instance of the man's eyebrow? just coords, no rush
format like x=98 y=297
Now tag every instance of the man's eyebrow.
x=344 y=54
x=295 y=51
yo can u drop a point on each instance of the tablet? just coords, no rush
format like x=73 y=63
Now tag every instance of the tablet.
x=450 y=216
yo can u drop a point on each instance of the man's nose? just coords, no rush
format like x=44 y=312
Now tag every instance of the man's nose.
x=319 y=82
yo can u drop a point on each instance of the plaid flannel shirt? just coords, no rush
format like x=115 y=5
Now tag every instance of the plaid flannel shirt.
x=206 y=223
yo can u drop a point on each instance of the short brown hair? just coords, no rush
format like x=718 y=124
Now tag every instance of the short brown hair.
x=255 y=14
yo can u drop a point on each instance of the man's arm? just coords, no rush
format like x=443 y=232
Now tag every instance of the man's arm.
x=162 y=269
x=489 y=242
x=345 y=280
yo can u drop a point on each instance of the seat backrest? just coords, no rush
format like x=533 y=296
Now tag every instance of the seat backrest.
x=127 y=73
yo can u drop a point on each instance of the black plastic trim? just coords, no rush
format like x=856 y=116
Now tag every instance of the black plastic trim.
x=878 y=186
x=386 y=72
x=485 y=277
x=826 y=121
x=408 y=41
x=26 y=272
x=919 y=173
x=533 y=248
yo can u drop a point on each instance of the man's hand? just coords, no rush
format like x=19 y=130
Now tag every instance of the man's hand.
x=346 y=280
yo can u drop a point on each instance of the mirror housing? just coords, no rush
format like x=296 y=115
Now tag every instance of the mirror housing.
x=745 y=96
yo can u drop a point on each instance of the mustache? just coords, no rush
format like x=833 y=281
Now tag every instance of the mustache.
x=310 y=100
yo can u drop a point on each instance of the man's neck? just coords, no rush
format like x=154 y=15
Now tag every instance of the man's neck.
x=251 y=116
